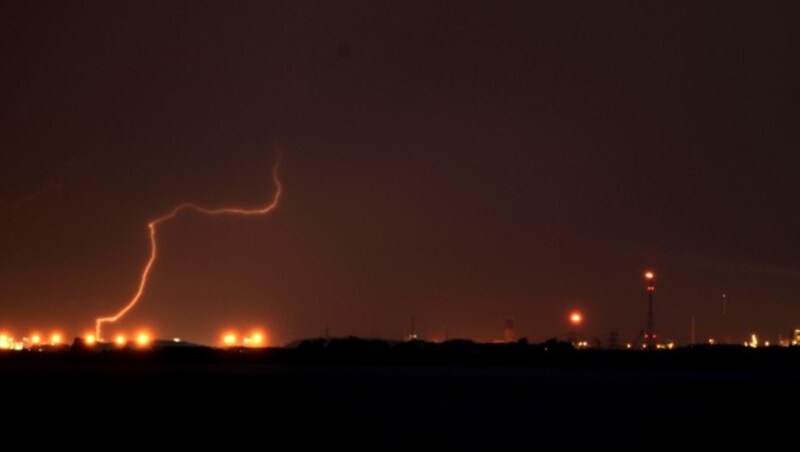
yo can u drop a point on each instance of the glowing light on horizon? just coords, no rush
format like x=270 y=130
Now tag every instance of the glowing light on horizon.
x=120 y=340
x=90 y=339
x=55 y=339
x=36 y=339
x=575 y=318
x=257 y=339
x=143 y=339
x=229 y=339
x=254 y=340
x=152 y=228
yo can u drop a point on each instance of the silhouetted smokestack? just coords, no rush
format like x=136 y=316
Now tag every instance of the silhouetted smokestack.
x=508 y=330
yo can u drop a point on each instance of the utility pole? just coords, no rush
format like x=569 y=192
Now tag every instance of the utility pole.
x=724 y=335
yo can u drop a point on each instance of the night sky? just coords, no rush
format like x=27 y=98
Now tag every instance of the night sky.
x=463 y=161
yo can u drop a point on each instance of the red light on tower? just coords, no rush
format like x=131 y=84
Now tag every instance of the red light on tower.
x=650 y=336
x=575 y=319
x=650 y=277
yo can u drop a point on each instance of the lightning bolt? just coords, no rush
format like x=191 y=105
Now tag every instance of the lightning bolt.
x=30 y=197
x=152 y=227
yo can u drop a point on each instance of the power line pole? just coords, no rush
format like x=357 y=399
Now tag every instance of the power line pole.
x=724 y=338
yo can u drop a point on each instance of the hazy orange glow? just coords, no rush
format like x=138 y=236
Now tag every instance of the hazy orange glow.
x=151 y=226
x=575 y=318
x=36 y=339
x=120 y=340
x=257 y=339
x=143 y=339
x=229 y=339
x=90 y=339
x=55 y=339
x=649 y=275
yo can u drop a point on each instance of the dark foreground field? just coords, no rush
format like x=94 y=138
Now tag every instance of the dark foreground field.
x=261 y=402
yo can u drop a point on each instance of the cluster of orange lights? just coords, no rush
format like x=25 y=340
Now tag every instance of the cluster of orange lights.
x=9 y=342
x=255 y=339
x=141 y=339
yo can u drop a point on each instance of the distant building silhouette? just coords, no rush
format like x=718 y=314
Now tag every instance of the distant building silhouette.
x=613 y=339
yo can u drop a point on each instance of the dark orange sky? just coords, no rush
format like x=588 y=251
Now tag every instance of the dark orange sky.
x=461 y=161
